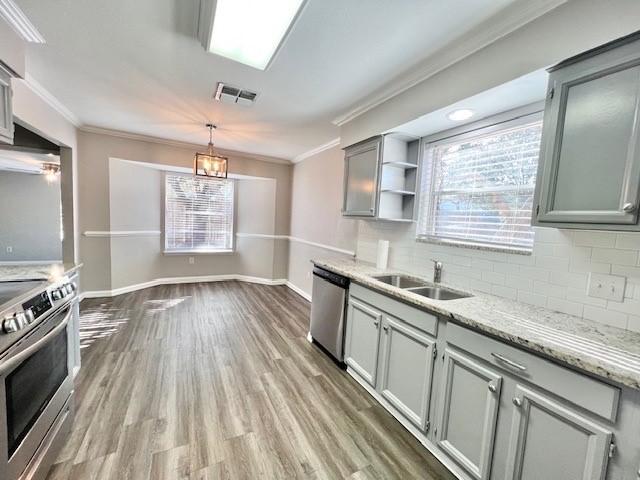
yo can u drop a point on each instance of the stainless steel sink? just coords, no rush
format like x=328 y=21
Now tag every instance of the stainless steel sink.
x=400 y=281
x=438 y=293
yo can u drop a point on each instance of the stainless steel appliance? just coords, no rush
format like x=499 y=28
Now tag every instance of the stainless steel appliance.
x=36 y=380
x=328 y=311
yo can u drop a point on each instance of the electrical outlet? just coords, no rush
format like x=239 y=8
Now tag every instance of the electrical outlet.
x=9 y=249
x=608 y=287
x=192 y=260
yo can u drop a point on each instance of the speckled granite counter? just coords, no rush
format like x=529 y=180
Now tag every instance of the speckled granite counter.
x=608 y=352
x=50 y=271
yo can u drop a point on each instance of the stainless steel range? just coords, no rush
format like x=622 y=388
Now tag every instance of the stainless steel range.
x=36 y=380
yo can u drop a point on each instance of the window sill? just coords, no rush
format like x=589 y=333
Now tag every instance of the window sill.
x=199 y=252
x=475 y=246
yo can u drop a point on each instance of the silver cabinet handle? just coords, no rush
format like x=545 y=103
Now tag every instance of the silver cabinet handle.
x=517 y=402
x=511 y=363
x=376 y=323
x=492 y=388
x=629 y=207
x=386 y=328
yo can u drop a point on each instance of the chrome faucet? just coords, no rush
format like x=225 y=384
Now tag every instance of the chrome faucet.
x=437 y=271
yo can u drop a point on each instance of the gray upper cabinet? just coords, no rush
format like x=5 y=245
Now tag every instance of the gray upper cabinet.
x=407 y=366
x=6 y=112
x=550 y=440
x=589 y=174
x=362 y=339
x=468 y=410
x=361 y=178
x=381 y=178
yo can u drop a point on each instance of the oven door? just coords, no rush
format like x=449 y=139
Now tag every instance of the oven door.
x=35 y=385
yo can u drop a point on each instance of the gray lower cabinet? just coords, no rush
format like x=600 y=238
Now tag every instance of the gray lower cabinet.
x=362 y=340
x=550 y=440
x=467 y=412
x=6 y=112
x=407 y=367
x=589 y=173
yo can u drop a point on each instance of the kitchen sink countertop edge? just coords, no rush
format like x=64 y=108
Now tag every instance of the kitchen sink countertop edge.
x=602 y=350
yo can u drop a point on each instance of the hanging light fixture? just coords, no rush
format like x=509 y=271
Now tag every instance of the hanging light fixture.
x=51 y=171
x=209 y=164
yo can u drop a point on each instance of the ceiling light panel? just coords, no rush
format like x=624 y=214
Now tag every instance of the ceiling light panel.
x=251 y=31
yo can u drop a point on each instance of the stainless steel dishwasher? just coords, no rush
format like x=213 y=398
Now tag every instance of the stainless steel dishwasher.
x=328 y=311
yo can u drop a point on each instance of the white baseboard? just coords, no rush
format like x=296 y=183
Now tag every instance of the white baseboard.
x=299 y=291
x=176 y=280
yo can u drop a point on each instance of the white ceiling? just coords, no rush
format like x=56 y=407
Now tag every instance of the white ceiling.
x=136 y=66
x=522 y=91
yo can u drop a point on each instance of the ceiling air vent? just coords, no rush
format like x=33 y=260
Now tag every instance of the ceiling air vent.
x=228 y=94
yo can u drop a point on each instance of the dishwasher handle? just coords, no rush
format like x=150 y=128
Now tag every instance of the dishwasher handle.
x=336 y=279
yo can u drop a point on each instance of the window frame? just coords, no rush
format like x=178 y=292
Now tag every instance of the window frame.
x=193 y=252
x=518 y=117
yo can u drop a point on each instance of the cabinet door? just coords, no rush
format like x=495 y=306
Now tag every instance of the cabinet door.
x=6 y=116
x=361 y=178
x=468 y=410
x=590 y=154
x=549 y=440
x=407 y=365
x=361 y=344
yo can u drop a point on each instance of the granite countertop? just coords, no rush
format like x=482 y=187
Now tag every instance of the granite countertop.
x=45 y=271
x=608 y=352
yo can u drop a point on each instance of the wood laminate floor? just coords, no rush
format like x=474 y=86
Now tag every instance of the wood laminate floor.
x=217 y=381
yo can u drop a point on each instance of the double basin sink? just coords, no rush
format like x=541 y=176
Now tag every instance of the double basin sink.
x=419 y=287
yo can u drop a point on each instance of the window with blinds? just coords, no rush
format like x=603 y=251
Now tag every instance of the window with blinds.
x=477 y=188
x=198 y=214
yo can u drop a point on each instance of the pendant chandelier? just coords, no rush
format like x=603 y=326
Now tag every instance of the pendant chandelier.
x=209 y=164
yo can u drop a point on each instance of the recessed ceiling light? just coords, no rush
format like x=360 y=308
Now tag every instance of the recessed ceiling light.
x=461 y=114
x=251 y=31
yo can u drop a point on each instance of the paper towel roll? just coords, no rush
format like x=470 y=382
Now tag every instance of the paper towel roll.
x=383 y=254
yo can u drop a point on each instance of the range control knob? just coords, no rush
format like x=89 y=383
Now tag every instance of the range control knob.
x=56 y=294
x=68 y=288
x=28 y=313
x=10 y=325
x=21 y=320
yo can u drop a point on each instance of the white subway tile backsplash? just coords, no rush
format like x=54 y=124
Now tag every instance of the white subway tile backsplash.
x=594 y=239
x=611 y=255
x=554 y=276
x=629 y=241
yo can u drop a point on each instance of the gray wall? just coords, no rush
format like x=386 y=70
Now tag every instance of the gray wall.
x=116 y=195
x=28 y=202
x=316 y=201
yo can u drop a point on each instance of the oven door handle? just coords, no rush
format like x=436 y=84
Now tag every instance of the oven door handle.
x=18 y=358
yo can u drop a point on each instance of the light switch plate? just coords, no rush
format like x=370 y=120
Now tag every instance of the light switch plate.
x=608 y=287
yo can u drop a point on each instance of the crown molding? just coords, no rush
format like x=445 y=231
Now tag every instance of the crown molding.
x=50 y=100
x=178 y=144
x=314 y=151
x=15 y=17
x=513 y=17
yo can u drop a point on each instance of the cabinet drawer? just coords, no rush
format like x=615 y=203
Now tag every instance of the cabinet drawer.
x=414 y=317
x=597 y=397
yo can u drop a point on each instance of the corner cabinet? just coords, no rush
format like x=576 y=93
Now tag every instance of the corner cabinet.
x=381 y=178
x=6 y=109
x=589 y=173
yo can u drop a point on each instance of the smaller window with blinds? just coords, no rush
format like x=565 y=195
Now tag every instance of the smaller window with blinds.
x=477 y=187
x=198 y=214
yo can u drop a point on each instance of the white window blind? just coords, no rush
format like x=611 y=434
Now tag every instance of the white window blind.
x=198 y=214
x=477 y=188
